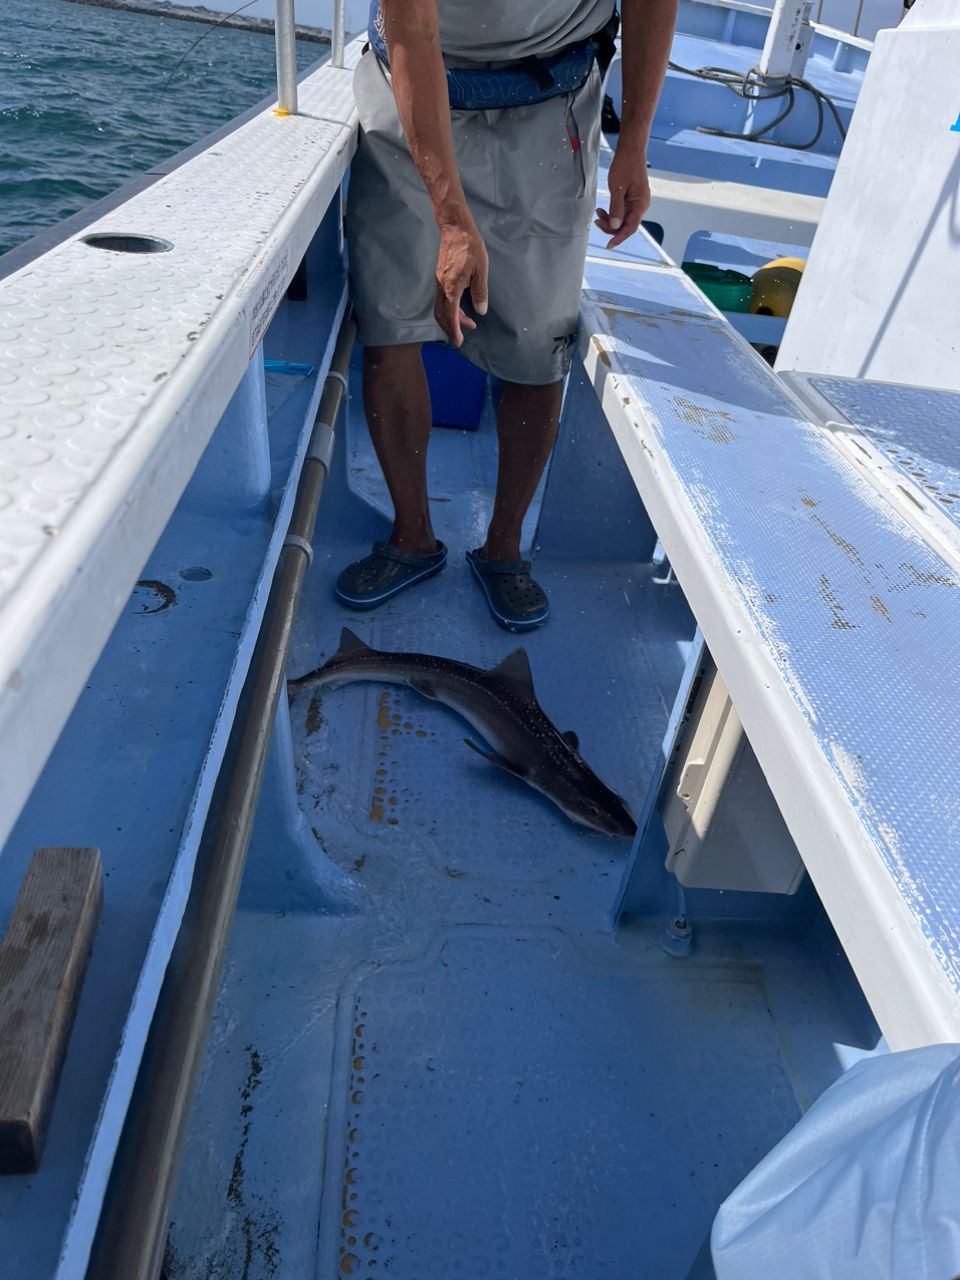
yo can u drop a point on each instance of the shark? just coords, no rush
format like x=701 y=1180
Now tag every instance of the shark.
x=501 y=705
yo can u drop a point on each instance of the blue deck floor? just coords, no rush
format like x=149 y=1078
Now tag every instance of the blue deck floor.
x=471 y=1074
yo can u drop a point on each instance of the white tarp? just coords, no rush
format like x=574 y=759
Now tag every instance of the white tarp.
x=866 y=1186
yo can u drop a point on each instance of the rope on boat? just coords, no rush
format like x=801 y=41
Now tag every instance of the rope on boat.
x=754 y=87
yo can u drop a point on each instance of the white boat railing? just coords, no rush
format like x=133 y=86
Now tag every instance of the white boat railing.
x=285 y=34
x=339 y=32
x=169 y=319
x=122 y=348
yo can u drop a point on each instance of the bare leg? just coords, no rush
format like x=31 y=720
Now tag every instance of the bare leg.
x=397 y=405
x=526 y=429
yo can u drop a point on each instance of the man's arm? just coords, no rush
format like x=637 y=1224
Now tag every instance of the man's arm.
x=647 y=33
x=420 y=87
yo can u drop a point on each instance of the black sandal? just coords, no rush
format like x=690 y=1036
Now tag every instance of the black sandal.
x=516 y=601
x=384 y=573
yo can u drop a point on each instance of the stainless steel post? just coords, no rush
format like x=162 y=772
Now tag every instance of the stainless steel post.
x=285 y=34
x=339 y=32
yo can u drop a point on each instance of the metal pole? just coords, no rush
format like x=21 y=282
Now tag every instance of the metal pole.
x=339 y=32
x=783 y=38
x=133 y=1225
x=285 y=35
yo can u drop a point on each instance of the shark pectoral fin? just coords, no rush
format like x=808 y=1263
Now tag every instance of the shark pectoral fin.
x=423 y=687
x=350 y=642
x=571 y=739
x=497 y=760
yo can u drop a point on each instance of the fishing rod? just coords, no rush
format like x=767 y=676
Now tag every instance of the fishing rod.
x=213 y=26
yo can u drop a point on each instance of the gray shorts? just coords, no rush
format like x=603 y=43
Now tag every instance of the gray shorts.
x=530 y=177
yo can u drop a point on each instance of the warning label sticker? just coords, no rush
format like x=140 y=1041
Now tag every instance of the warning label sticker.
x=267 y=300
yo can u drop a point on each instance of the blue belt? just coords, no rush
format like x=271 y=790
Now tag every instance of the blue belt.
x=522 y=84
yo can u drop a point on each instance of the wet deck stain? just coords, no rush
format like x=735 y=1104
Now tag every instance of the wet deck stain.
x=848 y=549
x=837 y=610
x=877 y=604
x=153 y=596
x=927 y=578
x=258 y=1230
x=315 y=718
x=601 y=351
x=711 y=424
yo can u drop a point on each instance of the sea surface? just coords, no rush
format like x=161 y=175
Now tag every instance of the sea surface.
x=90 y=97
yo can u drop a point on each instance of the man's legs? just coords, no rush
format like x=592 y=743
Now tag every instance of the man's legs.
x=397 y=405
x=526 y=429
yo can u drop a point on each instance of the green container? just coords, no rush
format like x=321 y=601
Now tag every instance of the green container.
x=728 y=290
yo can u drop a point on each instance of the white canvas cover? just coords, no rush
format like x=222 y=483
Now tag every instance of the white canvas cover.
x=866 y=1185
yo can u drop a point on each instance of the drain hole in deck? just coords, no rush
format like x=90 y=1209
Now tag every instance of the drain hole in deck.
x=195 y=573
x=123 y=242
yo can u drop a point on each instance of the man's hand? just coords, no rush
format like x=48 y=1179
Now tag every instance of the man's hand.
x=629 y=194
x=646 y=32
x=461 y=265
x=420 y=88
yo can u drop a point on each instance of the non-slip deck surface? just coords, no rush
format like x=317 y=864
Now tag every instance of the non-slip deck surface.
x=916 y=427
x=516 y=1107
x=472 y=1075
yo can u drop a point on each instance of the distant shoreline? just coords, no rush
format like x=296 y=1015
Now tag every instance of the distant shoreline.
x=209 y=17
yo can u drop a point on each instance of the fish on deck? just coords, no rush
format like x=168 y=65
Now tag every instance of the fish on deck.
x=501 y=705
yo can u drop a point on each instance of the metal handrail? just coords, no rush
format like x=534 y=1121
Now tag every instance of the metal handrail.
x=133 y=1225
x=285 y=36
x=339 y=32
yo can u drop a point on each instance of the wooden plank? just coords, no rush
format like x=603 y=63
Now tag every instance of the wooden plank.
x=42 y=962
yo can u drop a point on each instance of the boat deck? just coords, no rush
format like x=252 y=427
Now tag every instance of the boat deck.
x=688 y=102
x=462 y=1068
x=433 y=1052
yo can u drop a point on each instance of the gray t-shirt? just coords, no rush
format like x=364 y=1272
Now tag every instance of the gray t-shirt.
x=503 y=30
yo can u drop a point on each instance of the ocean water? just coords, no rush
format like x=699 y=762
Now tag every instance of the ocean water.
x=90 y=97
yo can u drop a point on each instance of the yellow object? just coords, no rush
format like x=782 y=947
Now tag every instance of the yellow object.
x=775 y=286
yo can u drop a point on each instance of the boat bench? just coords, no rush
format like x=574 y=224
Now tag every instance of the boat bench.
x=820 y=560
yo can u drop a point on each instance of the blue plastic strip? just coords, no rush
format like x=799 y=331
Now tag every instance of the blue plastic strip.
x=294 y=368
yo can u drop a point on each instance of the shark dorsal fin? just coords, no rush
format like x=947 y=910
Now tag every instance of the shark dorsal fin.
x=350 y=642
x=515 y=667
x=571 y=739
